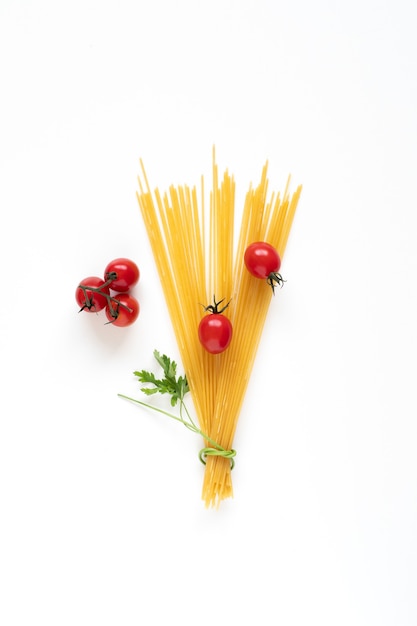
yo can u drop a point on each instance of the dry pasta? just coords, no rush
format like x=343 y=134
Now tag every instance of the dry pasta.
x=180 y=227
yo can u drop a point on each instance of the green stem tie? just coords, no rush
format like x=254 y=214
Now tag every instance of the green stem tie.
x=226 y=454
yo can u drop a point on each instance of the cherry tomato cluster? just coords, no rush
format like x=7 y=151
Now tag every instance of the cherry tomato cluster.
x=215 y=330
x=111 y=293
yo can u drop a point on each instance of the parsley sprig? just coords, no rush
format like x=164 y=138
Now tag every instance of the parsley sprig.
x=177 y=387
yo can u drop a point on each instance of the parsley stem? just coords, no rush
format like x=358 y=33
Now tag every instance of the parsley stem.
x=190 y=424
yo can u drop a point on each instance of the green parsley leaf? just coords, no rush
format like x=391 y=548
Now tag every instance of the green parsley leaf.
x=170 y=384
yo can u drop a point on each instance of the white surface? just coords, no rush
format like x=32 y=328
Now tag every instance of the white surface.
x=101 y=519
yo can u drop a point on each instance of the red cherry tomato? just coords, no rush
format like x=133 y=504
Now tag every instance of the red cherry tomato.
x=123 y=273
x=123 y=312
x=262 y=259
x=89 y=300
x=215 y=332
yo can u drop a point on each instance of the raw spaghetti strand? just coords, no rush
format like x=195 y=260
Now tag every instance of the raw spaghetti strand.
x=176 y=227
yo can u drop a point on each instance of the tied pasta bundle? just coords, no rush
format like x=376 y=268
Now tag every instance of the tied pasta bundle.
x=195 y=257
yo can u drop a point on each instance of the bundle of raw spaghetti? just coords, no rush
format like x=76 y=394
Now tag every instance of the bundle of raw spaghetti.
x=194 y=255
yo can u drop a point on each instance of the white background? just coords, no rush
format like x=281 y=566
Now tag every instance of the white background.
x=101 y=519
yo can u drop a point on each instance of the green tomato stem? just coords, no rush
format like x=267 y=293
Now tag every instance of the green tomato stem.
x=109 y=298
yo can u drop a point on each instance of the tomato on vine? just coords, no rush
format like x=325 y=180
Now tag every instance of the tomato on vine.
x=122 y=274
x=91 y=294
x=123 y=310
x=215 y=330
x=263 y=261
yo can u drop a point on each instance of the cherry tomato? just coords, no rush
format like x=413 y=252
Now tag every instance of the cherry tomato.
x=123 y=312
x=215 y=332
x=262 y=259
x=123 y=273
x=89 y=300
